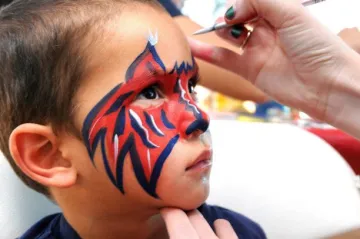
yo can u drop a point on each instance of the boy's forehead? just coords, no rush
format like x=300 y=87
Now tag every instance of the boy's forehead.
x=131 y=34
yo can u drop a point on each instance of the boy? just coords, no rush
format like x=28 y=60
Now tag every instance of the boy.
x=99 y=114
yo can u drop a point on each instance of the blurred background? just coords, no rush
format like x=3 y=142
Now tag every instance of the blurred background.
x=340 y=16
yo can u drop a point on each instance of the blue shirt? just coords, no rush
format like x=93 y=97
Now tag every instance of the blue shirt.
x=170 y=7
x=56 y=227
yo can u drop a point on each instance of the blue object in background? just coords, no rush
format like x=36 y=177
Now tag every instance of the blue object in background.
x=262 y=109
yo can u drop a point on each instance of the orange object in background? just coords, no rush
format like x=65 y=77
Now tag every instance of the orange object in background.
x=346 y=145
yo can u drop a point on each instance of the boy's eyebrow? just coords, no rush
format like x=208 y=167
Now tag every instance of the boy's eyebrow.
x=151 y=71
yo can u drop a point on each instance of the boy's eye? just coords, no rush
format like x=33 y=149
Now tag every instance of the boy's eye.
x=149 y=93
x=191 y=86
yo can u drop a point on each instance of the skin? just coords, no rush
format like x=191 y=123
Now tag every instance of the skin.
x=216 y=78
x=90 y=202
x=352 y=37
x=228 y=83
x=193 y=226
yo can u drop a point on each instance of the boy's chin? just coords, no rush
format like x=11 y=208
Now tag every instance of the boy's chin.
x=186 y=202
x=192 y=205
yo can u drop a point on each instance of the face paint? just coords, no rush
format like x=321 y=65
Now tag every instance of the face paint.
x=147 y=135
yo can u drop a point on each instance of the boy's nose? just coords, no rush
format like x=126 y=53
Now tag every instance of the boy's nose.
x=193 y=125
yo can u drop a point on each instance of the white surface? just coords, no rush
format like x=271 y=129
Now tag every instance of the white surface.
x=289 y=181
x=286 y=179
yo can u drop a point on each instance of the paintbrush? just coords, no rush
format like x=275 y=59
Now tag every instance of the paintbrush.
x=225 y=25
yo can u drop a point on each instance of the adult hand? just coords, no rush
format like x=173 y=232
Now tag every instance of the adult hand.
x=193 y=225
x=290 y=56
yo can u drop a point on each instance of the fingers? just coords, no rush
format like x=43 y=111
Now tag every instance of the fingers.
x=194 y=226
x=201 y=226
x=276 y=12
x=221 y=57
x=242 y=11
x=224 y=229
x=178 y=224
x=236 y=35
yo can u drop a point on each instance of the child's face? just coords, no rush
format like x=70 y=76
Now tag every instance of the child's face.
x=142 y=129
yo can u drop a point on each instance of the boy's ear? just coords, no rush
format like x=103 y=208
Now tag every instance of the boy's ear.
x=35 y=150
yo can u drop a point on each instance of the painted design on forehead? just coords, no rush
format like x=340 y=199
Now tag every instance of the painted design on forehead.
x=147 y=135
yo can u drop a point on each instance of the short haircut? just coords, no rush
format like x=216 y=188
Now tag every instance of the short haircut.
x=42 y=60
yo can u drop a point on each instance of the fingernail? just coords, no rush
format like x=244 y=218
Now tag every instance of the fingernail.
x=230 y=13
x=237 y=30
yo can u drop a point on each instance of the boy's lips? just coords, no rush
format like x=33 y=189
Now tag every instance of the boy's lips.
x=203 y=161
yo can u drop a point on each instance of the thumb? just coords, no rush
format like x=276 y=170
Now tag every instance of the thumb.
x=278 y=13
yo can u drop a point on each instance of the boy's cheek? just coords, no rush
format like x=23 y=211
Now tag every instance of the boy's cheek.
x=178 y=188
x=174 y=188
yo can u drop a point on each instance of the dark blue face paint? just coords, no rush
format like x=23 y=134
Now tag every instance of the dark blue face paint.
x=146 y=135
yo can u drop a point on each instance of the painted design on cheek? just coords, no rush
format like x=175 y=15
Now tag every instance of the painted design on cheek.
x=141 y=130
x=165 y=120
x=147 y=135
x=151 y=122
x=120 y=122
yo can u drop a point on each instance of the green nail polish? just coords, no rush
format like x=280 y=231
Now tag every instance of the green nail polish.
x=236 y=31
x=230 y=13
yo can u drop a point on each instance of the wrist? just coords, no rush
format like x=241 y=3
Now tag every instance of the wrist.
x=343 y=101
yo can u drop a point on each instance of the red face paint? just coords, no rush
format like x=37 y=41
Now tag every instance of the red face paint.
x=147 y=135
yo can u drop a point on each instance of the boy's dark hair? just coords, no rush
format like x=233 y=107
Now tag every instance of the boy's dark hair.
x=5 y=2
x=42 y=59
